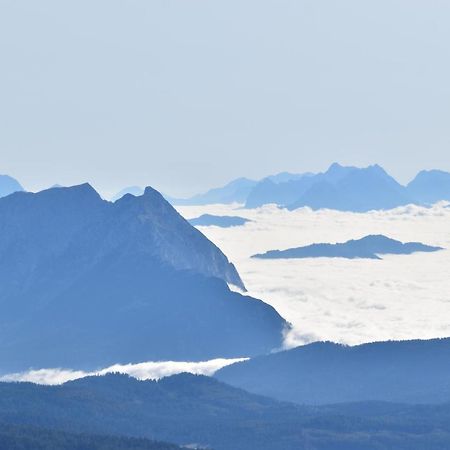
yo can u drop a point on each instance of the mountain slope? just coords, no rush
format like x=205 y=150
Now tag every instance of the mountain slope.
x=321 y=373
x=87 y=283
x=368 y=247
x=430 y=186
x=189 y=410
x=9 y=185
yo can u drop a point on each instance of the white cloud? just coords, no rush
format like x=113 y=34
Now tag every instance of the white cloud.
x=348 y=301
x=142 y=371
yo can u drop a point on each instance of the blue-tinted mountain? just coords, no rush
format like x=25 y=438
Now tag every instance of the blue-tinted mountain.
x=369 y=247
x=324 y=373
x=88 y=283
x=188 y=410
x=353 y=189
x=206 y=220
x=133 y=190
x=9 y=185
x=274 y=190
x=234 y=192
x=430 y=186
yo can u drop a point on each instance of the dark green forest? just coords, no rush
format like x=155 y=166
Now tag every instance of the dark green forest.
x=14 y=437
x=195 y=410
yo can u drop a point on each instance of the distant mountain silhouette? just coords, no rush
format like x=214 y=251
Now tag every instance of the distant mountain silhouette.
x=9 y=185
x=207 y=220
x=430 y=186
x=353 y=189
x=369 y=247
x=234 y=192
x=189 y=410
x=340 y=188
x=323 y=373
x=133 y=190
x=88 y=283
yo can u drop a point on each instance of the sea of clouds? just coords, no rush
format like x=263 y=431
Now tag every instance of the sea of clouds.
x=346 y=301
x=340 y=300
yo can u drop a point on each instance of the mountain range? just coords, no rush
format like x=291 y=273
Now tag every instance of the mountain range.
x=340 y=188
x=368 y=247
x=323 y=372
x=200 y=412
x=86 y=283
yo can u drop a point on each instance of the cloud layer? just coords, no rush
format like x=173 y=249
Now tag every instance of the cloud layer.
x=142 y=371
x=348 y=301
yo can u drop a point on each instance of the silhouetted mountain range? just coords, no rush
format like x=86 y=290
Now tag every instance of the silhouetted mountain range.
x=430 y=186
x=207 y=220
x=199 y=411
x=323 y=372
x=88 y=283
x=369 y=247
x=9 y=185
x=341 y=188
x=235 y=191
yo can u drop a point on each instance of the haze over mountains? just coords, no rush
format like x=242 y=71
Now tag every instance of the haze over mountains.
x=368 y=247
x=341 y=188
x=323 y=373
x=101 y=283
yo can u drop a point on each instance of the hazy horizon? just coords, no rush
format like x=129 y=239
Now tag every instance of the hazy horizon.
x=185 y=96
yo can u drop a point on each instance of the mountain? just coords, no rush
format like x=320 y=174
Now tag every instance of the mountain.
x=323 y=372
x=137 y=191
x=15 y=437
x=9 y=185
x=353 y=189
x=85 y=283
x=341 y=188
x=234 y=192
x=207 y=220
x=196 y=411
x=275 y=190
x=430 y=186
x=368 y=247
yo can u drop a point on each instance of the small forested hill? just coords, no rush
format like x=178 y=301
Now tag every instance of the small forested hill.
x=188 y=410
x=368 y=247
x=86 y=283
x=206 y=220
x=323 y=372
x=13 y=437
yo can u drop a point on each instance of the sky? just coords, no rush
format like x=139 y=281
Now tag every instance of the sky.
x=186 y=95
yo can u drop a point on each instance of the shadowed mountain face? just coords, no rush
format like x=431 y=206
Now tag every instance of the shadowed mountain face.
x=323 y=373
x=368 y=247
x=207 y=220
x=188 y=409
x=430 y=186
x=87 y=283
x=9 y=185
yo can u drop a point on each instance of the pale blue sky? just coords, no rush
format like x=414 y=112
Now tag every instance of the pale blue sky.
x=184 y=95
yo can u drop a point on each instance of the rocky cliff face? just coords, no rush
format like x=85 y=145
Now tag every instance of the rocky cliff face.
x=85 y=283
